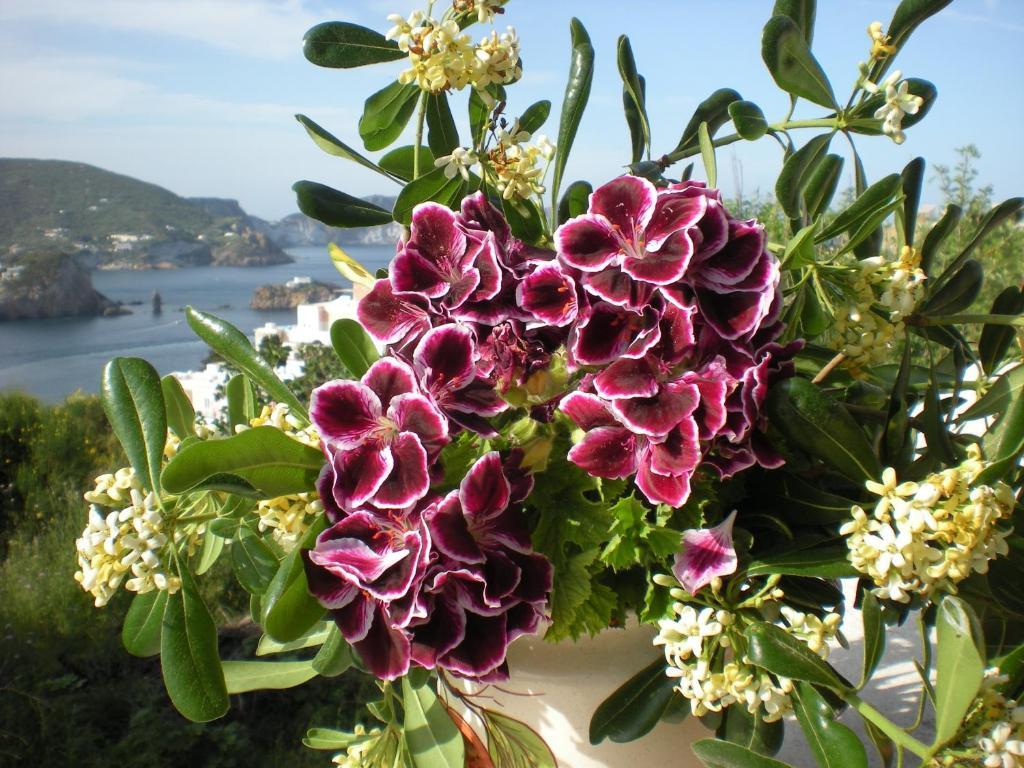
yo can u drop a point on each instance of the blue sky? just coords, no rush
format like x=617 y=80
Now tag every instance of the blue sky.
x=198 y=95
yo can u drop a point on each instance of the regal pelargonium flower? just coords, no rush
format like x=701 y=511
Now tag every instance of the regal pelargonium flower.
x=392 y=317
x=706 y=553
x=380 y=434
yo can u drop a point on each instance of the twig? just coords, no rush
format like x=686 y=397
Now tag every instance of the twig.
x=829 y=367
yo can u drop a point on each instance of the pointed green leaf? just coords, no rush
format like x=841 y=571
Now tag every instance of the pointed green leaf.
x=780 y=653
x=635 y=707
x=577 y=93
x=241 y=401
x=386 y=113
x=937 y=235
x=353 y=346
x=335 y=146
x=317 y=635
x=340 y=44
x=748 y=119
x=330 y=739
x=996 y=339
x=1003 y=444
x=750 y=731
x=231 y=344
x=908 y=16
x=1008 y=209
x=791 y=63
x=209 y=552
x=821 y=185
x=957 y=293
x=442 y=135
x=535 y=116
x=525 y=220
x=874 y=635
x=431 y=736
x=575 y=201
x=336 y=208
x=434 y=187
x=875 y=198
x=289 y=611
x=707 y=153
x=714 y=111
x=959 y=666
x=913 y=180
x=244 y=676
x=830 y=561
x=335 y=657
x=525 y=742
x=253 y=561
x=802 y=12
x=133 y=400
x=832 y=743
x=632 y=84
x=141 y=631
x=796 y=172
x=181 y=416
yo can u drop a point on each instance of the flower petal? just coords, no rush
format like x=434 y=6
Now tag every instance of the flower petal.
x=484 y=491
x=627 y=202
x=416 y=414
x=549 y=294
x=436 y=236
x=663 y=266
x=628 y=378
x=735 y=314
x=414 y=273
x=443 y=630
x=483 y=648
x=673 y=490
x=679 y=453
x=409 y=479
x=606 y=452
x=384 y=650
x=587 y=242
x=616 y=287
x=587 y=410
x=444 y=358
x=674 y=211
x=707 y=553
x=389 y=377
x=345 y=413
x=389 y=317
x=656 y=416
x=358 y=473
x=330 y=590
x=450 y=532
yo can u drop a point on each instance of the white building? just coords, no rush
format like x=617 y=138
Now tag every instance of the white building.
x=201 y=388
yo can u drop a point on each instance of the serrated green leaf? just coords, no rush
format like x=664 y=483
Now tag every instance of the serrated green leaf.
x=133 y=401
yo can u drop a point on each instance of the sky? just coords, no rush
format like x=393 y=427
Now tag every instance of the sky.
x=199 y=95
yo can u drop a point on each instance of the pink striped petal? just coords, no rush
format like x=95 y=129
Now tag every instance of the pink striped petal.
x=408 y=479
x=391 y=318
x=416 y=414
x=707 y=553
x=674 y=211
x=549 y=294
x=673 y=490
x=389 y=377
x=587 y=410
x=628 y=203
x=663 y=266
x=606 y=452
x=485 y=491
x=358 y=473
x=587 y=242
x=628 y=378
x=345 y=413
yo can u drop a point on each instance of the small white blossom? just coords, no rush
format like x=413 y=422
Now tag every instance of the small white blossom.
x=458 y=162
x=1002 y=751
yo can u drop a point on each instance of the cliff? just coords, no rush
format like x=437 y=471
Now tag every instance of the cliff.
x=249 y=248
x=50 y=285
x=289 y=297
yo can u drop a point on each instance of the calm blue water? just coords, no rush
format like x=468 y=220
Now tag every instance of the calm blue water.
x=52 y=358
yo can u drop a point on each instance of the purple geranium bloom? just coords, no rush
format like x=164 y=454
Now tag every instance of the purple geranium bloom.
x=606 y=332
x=706 y=553
x=510 y=353
x=488 y=587
x=380 y=435
x=631 y=232
x=549 y=294
x=393 y=318
x=367 y=570
x=445 y=364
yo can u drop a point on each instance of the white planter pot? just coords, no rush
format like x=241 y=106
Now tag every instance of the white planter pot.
x=556 y=687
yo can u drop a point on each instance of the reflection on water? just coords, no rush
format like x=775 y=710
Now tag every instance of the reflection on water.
x=53 y=358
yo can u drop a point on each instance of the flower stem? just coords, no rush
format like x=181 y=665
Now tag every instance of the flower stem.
x=828 y=368
x=899 y=737
x=421 y=113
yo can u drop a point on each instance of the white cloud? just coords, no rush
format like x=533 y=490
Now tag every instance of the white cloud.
x=258 y=28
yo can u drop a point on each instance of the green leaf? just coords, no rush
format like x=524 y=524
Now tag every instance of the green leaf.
x=800 y=249
x=958 y=293
x=442 y=135
x=479 y=112
x=959 y=667
x=399 y=161
x=340 y=44
x=937 y=235
x=1003 y=444
x=188 y=655
x=329 y=739
x=353 y=346
x=289 y=611
x=317 y=635
x=349 y=267
x=244 y=676
x=714 y=111
x=812 y=505
x=832 y=743
x=336 y=208
x=430 y=734
x=866 y=240
x=141 y=631
x=241 y=401
x=433 y=186
x=575 y=201
x=715 y=753
x=996 y=339
x=265 y=459
x=633 y=86
x=1002 y=394
x=632 y=115
x=335 y=657
x=332 y=145
x=750 y=731
x=524 y=743
x=181 y=416
x=535 y=116
x=796 y=172
x=1008 y=209
x=802 y=12
x=874 y=635
x=525 y=220
x=748 y=119
x=231 y=344
x=209 y=552
x=780 y=653
x=913 y=180
x=818 y=425
x=830 y=561
x=877 y=197
x=821 y=184
x=1005 y=576
x=133 y=400
x=791 y=63
x=253 y=561
x=577 y=93
x=707 y=153
x=386 y=113
x=908 y=16
x=635 y=707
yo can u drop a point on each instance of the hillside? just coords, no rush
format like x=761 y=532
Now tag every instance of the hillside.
x=51 y=285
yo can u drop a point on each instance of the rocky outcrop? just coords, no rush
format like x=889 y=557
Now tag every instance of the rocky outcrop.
x=249 y=248
x=220 y=207
x=52 y=285
x=290 y=296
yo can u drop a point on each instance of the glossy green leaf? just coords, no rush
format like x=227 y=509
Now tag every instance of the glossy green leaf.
x=958 y=293
x=874 y=635
x=430 y=734
x=525 y=220
x=1006 y=210
x=802 y=12
x=908 y=16
x=133 y=401
x=715 y=753
x=244 y=676
x=633 y=86
x=821 y=185
x=936 y=433
x=877 y=197
x=811 y=504
x=780 y=653
x=386 y=113
x=442 y=135
x=399 y=161
x=316 y=635
x=353 y=346
x=332 y=145
x=535 y=116
x=714 y=111
x=335 y=657
x=188 y=655
x=181 y=416
x=796 y=172
x=231 y=344
x=707 y=153
x=815 y=423
x=865 y=239
x=791 y=63
x=577 y=93
x=750 y=731
x=263 y=458
x=329 y=739
x=748 y=119
x=996 y=339
x=209 y=552
x=800 y=248
x=336 y=208
x=140 y=633
x=829 y=561
x=635 y=707
x=253 y=561
x=959 y=666
x=575 y=201
x=241 y=401
x=832 y=743
x=937 y=235
x=289 y=611
x=913 y=181
x=433 y=186
x=340 y=44
x=1003 y=444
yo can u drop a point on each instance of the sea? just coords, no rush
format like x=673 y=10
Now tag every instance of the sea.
x=53 y=358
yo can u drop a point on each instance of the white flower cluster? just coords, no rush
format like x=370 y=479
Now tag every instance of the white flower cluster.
x=127 y=545
x=356 y=754
x=278 y=415
x=519 y=167
x=442 y=57
x=923 y=537
x=867 y=337
x=899 y=103
x=700 y=651
x=993 y=730
x=881 y=47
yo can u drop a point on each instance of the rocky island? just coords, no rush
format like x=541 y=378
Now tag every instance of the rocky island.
x=51 y=285
x=293 y=293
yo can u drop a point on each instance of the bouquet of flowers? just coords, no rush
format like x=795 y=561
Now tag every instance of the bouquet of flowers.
x=572 y=405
